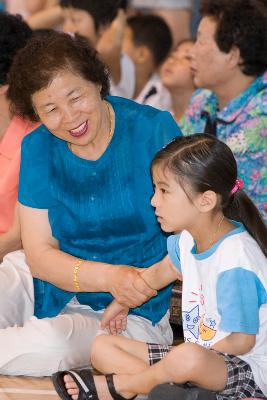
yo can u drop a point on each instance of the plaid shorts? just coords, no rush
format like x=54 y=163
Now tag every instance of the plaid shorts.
x=240 y=382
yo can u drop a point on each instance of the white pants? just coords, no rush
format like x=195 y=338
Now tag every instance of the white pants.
x=40 y=347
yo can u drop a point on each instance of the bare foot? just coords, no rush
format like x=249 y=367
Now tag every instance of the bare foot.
x=100 y=383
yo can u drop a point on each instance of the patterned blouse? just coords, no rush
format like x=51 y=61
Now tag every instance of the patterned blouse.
x=242 y=125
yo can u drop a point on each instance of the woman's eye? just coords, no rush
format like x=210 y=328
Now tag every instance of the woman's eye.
x=75 y=98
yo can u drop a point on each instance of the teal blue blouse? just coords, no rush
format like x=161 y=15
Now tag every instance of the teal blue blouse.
x=100 y=210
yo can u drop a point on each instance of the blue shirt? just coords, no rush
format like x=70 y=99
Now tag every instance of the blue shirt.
x=100 y=210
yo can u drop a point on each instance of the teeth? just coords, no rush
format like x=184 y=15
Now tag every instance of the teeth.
x=79 y=129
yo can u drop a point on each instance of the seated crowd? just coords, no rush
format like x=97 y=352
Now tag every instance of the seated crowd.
x=132 y=155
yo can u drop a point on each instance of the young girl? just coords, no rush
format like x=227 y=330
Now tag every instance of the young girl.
x=219 y=251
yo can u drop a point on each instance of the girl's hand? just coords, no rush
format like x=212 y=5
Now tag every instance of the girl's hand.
x=118 y=324
x=115 y=318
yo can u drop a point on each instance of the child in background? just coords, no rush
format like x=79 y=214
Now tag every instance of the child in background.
x=219 y=252
x=102 y=24
x=147 y=41
x=177 y=77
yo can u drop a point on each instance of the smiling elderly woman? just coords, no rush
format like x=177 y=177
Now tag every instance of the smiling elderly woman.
x=85 y=210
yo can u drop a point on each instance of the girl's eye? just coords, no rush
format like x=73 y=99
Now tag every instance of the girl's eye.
x=52 y=109
x=163 y=190
x=75 y=99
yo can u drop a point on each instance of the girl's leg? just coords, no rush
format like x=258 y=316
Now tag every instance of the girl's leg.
x=187 y=362
x=111 y=354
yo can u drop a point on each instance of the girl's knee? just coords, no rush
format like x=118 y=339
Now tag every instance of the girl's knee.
x=190 y=355
x=99 y=345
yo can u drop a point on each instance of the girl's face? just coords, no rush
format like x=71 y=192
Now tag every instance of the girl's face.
x=71 y=108
x=176 y=70
x=174 y=210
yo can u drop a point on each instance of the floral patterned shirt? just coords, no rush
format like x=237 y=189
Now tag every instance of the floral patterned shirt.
x=242 y=125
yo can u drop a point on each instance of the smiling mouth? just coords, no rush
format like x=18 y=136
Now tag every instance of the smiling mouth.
x=80 y=130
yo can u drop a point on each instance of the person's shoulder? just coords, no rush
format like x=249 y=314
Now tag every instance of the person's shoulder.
x=37 y=137
x=201 y=97
x=258 y=101
x=131 y=108
x=243 y=250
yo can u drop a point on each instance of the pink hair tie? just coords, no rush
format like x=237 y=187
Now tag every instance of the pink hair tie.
x=239 y=184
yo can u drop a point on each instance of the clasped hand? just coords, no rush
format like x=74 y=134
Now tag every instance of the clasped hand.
x=129 y=288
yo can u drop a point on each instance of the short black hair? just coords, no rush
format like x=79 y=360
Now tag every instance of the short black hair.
x=35 y=66
x=153 y=32
x=14 y=34
x=241 y=23
x=103 y=12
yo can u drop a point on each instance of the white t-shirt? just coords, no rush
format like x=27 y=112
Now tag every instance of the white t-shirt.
x=155 y=94
x=126 y=86
x=224 y=291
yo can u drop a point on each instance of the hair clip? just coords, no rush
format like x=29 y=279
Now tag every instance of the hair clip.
x=239 y=184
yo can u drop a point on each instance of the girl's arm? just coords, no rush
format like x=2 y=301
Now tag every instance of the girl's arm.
x=49 y=263
x=236 y=344
x=157 y=276
x=161 y=274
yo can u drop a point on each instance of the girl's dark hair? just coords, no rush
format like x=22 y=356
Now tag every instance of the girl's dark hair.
x=45 y=55
x=206 y=163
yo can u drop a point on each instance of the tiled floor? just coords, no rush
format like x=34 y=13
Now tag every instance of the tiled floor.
x=24 y=388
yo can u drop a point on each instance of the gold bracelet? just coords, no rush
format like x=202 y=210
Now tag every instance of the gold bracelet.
x=76 y=268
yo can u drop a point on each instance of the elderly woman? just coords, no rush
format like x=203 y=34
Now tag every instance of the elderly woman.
x=230 y=60
x=85 y=208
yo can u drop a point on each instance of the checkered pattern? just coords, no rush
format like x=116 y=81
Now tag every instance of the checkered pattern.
x=240 y=383
x=157 y=351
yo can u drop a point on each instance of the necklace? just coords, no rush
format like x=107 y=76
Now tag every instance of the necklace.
x=111 y=121
x=111 y=124
x=216 y=231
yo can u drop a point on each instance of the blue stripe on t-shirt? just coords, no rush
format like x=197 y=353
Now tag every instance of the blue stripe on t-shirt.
x=174 y=250
x=240 y=294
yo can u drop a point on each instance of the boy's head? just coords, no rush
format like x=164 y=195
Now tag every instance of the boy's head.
x=147 y=36
x=14 y=34
x=88 y=18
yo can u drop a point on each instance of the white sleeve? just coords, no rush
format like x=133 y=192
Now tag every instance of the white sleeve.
x=126 y=86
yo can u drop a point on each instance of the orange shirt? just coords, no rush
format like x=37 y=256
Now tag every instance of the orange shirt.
x=9 y=168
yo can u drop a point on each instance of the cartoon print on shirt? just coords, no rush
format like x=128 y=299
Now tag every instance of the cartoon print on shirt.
x=190 y=321
x=206 y=332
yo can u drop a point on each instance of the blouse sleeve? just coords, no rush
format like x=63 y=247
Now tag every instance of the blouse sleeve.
x=34 y=170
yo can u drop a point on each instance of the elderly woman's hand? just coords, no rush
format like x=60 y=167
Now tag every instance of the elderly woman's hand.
x=128 y=287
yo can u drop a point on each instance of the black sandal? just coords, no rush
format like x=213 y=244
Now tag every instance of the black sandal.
x=112 y=390
x=84 y=379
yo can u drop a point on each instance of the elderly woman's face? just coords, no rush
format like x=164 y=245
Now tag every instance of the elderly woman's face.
x=71 y=108
x=210 y=65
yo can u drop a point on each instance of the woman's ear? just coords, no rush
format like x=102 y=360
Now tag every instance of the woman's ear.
x=207 y=201
x=234 y=57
